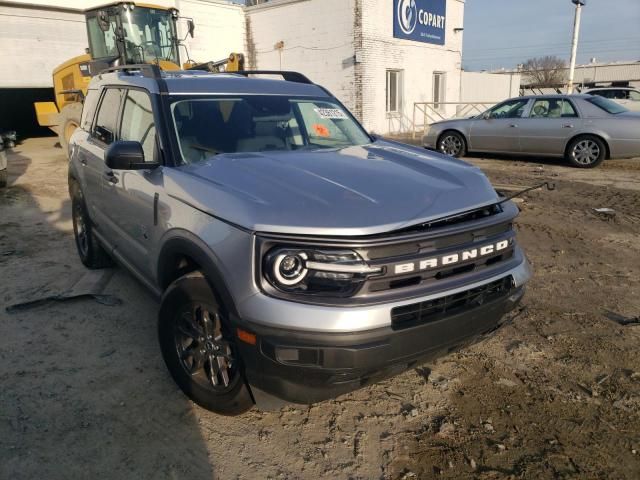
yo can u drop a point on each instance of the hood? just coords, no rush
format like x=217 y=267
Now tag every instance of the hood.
x=378 y=188
x=453 y=120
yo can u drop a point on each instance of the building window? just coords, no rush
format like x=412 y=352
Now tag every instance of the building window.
x=438 y=90
x=394 y=91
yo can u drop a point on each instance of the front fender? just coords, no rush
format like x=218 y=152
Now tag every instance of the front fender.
x=179 y=243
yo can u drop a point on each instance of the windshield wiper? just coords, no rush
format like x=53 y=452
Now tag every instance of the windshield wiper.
x=205 y=149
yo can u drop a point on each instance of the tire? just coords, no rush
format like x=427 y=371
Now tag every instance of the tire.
x=586 y=151
x=91 y=253
x=452 y=144
x=199 y=348
x=3 y=178
x=68 y=121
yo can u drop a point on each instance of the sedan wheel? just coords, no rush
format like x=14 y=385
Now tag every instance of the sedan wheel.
x=452 y=144
x=586 y=152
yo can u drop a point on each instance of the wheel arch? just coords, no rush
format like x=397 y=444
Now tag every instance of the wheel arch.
x=182 y=254
x=599 y=136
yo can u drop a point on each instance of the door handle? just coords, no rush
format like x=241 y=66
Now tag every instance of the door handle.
x=514 y=125
x=111 y=177
x=568 y=125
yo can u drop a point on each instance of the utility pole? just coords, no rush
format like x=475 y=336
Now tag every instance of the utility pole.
x=574 y=44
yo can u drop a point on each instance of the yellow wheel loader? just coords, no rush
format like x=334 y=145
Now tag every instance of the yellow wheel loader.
x=122 y=33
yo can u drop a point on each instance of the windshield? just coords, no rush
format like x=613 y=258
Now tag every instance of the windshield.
x=258 y=123
x=149 y=35
x=607 y=105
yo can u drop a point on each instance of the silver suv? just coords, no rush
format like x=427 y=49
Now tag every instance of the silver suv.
x=296 y=256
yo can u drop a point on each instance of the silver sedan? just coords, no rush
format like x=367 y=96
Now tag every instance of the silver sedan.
x=584 y=129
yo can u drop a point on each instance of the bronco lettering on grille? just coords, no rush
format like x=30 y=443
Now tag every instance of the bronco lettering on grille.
x=450 y=259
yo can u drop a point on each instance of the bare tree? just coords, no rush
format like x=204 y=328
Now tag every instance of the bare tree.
x=547 y=71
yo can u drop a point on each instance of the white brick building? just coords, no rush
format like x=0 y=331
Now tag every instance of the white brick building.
x=348 y=46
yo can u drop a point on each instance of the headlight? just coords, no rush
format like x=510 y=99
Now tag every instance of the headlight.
x=308 y=271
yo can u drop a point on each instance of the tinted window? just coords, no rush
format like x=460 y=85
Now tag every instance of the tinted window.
x=137 y=122
x=106 y=122
x=607 y=105
x=89 y=110
x=552 y=108
x=633 y=95
x=510 y=109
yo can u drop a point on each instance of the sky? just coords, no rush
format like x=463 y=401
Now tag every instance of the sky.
x=504 y=33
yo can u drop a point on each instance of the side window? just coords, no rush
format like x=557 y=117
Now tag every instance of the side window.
x=89 y=110
x=633 y=95
x=106 y=122
x=568 y=110
x=510 y=109
x=552 y=108
x=138 y=124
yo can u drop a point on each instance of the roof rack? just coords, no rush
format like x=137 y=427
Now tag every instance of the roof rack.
x=286 y=75
x=147 y=69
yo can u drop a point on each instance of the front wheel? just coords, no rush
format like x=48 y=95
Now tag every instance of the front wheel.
x=452 y=144
x=586 y=152
x=199 y=348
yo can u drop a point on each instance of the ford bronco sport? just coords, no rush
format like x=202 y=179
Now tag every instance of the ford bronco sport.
x=296 y=257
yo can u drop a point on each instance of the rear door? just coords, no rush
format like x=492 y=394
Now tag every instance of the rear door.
x=96 y=173
x=499 y=130
x=550 y=124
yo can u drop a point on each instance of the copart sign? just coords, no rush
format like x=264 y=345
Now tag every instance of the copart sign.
x=420 y=20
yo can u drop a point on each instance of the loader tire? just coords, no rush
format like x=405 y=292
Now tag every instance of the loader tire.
x=69 y=120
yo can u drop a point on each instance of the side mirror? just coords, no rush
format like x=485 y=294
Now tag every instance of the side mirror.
x=191 y=27
x=486 y=116
x=126 y=155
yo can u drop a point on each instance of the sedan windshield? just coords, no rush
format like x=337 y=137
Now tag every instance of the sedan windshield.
x=258 y=123
x=607 y=105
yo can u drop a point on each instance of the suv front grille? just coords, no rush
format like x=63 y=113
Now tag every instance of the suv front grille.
x=432 y=310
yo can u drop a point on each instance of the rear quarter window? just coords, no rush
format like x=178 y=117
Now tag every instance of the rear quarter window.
x=607 y=105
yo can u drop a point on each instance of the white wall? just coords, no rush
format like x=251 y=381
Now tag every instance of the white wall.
x=380 y=51
x=34 y=41
x=489 y=87
x=220 y=29
x=318 y=41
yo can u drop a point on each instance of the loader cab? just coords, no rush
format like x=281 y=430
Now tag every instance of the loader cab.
x=125 y=33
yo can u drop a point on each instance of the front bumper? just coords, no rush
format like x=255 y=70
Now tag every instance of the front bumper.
x=430 y=139
x=303 y=366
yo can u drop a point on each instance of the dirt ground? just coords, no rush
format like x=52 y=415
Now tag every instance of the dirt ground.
x=84 y=392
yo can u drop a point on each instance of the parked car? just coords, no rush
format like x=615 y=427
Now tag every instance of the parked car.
x=628 y=97
x=295 y=256
x=584 y=129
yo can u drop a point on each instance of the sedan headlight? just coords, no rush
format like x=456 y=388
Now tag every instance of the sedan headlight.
x=320 y=272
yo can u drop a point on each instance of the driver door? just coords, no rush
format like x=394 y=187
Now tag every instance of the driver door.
x=498 y=130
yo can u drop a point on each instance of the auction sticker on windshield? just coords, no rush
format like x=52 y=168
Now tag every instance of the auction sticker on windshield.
x=330 y=113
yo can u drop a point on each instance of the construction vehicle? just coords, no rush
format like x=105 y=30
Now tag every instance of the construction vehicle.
x=121 y=33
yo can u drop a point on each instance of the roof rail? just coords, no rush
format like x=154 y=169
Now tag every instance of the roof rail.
x=286 y=75
x=147 y=69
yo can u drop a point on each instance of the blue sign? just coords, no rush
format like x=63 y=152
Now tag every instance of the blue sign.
x=420 y=20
